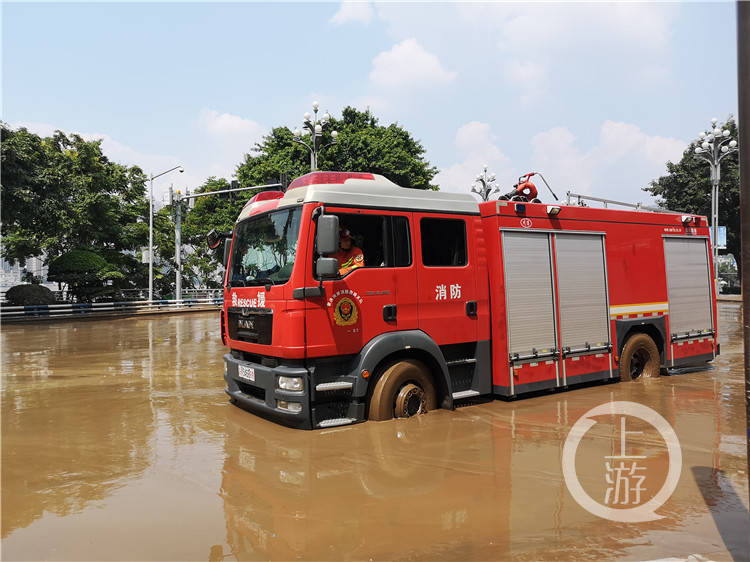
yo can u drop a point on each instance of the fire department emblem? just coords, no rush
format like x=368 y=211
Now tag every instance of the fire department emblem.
x=345 y=312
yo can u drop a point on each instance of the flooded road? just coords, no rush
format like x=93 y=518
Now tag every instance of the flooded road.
x=118 y=443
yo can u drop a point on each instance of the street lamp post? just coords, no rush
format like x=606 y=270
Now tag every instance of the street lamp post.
x=713 y=146
x=151 y=230
x=314 y=126
x=486 y=185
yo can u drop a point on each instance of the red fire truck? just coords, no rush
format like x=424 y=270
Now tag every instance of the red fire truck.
x=454 y=299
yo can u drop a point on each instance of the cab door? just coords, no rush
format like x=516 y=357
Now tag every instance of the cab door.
x=446 y=284
x=374 y=299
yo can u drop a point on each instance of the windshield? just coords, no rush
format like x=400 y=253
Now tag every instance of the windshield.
x=264 y=249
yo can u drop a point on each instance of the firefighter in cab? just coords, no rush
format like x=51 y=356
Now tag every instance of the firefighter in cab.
x=349 y=256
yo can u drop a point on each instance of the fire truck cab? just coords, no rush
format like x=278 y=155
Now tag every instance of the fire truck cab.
x=452 y=299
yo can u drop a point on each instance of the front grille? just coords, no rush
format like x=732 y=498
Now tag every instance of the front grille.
x=252 y=325
x=253 y=391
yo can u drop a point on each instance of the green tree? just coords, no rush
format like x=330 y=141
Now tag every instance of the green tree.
x=687 y=187
x=22 y=295
x=363 y=146
x=85 y=272
x=61 y=193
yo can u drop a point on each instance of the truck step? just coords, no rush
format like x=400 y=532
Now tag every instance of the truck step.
x=461 y=362
x=336 y=421
x=333 y=386
x=465 y=394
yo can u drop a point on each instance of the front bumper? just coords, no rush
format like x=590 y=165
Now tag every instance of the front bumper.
x=260 y=396
x=323 y=404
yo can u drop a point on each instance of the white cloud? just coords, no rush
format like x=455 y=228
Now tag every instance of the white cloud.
x=227 y=125
x=408 y=64
x=624 y=160
x=476 y=146
x=230 y=137
x=352 y=10
x=537 y=39
x=528 y=77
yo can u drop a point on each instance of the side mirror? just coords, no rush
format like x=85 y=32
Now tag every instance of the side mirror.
x=227 y=247
x=214 y=239
x=327 y=236
x=327 y=268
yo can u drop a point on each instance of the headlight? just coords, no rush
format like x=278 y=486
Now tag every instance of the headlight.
x=294 y=407
x=290 y=383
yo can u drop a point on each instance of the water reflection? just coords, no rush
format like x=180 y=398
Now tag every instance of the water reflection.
x=482 y=482
x=118 y=443
x=83 y=403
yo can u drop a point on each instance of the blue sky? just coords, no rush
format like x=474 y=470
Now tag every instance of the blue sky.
x=595 y=96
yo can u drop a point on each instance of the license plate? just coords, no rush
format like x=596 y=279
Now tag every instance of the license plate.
x=247 y=373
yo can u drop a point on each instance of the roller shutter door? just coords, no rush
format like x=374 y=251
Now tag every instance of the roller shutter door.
x=688 y=285
x=582 y=288
x=528 y=292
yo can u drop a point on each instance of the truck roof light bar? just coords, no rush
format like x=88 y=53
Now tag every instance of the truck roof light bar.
x=553 y=210
x=329 y=177
x=687 y=219
x=262 y=197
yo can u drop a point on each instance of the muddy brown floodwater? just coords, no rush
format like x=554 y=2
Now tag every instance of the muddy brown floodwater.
x=118 y=443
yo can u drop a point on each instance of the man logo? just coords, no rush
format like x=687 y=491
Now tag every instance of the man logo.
x=246 y=323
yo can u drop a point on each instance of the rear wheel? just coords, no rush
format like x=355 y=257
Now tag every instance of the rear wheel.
x=639 y=358
x=404 y=389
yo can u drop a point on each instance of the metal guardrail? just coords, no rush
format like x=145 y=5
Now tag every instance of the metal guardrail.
x=64 y=297
x=97 y=308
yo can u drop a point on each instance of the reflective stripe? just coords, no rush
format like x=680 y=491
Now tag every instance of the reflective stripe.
x=638 y=308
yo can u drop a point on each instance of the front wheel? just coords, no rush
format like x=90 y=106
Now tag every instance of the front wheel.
x=405 y=389
x=639 y=358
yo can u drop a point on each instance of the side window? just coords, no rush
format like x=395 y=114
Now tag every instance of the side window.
x=401 y=252
x=362 y=240
x=372 y=241
x=443 y=242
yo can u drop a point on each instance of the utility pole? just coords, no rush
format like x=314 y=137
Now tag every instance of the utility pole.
x=151 y=229
x=713 y=146
x=486 y=185
x=177 y=199
x=178 y=249
x=314 y=127
x=743 y=122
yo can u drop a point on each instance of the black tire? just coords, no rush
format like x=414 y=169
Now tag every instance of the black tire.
x=404 y=389
x=639 y=358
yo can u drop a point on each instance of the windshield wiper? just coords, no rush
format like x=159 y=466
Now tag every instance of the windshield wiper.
x=237 y=283
x=261 y=281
